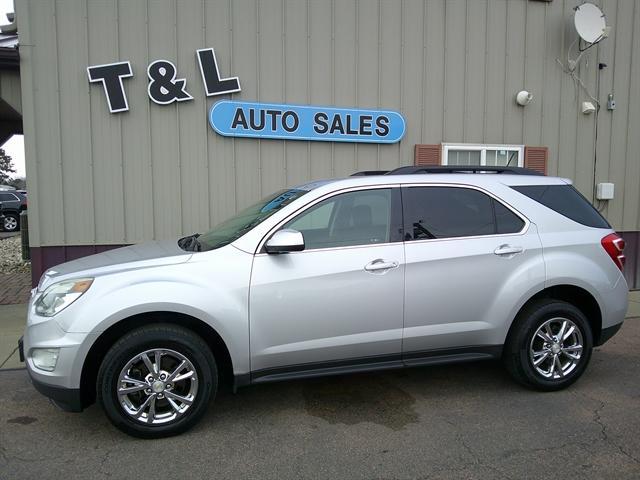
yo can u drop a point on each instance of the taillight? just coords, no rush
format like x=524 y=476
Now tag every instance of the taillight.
x=614 y=246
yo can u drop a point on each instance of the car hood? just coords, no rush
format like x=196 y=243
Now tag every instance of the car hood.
x=143 y=255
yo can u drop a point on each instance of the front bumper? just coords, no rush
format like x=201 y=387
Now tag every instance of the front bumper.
x=68 y=399
x=62 y=385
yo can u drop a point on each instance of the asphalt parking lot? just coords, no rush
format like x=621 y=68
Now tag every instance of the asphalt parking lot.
x=461 y=421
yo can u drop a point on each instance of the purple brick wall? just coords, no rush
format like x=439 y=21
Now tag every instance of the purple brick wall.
x=632 y=252
x=46 y=257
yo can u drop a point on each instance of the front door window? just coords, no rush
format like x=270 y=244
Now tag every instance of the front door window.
x=349 y=219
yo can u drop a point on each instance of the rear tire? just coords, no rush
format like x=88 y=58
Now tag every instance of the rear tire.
x=549 y=345
x=157 y=381
x=11 y=222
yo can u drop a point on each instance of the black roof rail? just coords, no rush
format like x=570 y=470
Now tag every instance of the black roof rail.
x=366 y=173
x=411 y=170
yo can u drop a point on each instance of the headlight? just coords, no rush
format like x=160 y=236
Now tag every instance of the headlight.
x=45 y=277
x=60 y=295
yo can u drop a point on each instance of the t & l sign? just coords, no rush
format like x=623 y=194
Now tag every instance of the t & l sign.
x=164 y=88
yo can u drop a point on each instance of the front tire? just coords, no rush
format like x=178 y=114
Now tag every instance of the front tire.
x=156 y=381
x=549 y=346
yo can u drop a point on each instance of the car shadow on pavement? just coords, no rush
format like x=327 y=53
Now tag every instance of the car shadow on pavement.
x=457 y=421
x=382 y=398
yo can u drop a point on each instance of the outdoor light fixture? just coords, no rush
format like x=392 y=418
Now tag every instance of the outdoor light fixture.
x=588 y=108
x=524 y=98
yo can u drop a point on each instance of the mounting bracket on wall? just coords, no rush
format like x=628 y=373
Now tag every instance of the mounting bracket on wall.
x=591 y=25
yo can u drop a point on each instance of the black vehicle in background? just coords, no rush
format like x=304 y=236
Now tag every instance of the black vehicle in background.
x=11 y=203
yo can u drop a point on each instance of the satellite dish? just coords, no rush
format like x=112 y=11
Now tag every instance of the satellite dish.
x=590 y=23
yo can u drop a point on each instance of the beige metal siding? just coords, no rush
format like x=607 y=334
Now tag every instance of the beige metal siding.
x=10 y=89
x=452 y=68
x=138 y=187
x=624 y=124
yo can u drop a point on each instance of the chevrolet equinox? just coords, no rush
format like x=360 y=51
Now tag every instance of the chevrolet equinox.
x=415 y=267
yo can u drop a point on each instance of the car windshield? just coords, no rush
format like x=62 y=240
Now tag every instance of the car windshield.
x=233 y=228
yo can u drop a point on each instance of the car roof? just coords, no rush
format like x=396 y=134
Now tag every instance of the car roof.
x=477 y=179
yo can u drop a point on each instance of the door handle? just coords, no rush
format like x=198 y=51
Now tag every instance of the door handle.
x=380 y=265
x=508 y=250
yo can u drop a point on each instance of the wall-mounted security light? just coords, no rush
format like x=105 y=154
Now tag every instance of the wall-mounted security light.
x=524 y=98
x=588 y=108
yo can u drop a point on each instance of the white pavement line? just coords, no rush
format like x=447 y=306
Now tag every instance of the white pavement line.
x=10 y=355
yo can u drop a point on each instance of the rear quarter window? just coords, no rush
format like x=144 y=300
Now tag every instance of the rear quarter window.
x=7 y=197
x=567 y=201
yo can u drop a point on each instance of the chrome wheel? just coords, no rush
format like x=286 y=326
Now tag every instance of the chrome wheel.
x=157 y=386
x=556 y=348
x=10 y=223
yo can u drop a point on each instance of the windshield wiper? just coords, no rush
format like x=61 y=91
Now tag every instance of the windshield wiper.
x=190 y=243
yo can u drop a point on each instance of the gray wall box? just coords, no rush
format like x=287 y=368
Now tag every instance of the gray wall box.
x=452 y=68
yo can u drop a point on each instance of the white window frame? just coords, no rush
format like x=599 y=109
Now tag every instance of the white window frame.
x=482 y=148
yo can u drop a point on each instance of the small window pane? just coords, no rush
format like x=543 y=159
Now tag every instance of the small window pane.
x=490 y=157
x=463 y=157
x=502 y=157
x=442 y=212
x=348 y=219
x=506 y=220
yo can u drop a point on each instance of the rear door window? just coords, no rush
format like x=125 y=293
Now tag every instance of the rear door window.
x=448 y=212
x=567 y=201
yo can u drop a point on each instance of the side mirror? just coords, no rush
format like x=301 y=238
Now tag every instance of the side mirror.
x=285 y=241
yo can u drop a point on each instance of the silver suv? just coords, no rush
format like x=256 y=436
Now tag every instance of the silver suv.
x=334 y=277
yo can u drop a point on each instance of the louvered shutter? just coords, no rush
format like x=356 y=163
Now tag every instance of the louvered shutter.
x=536 y=158
x=427 y=155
